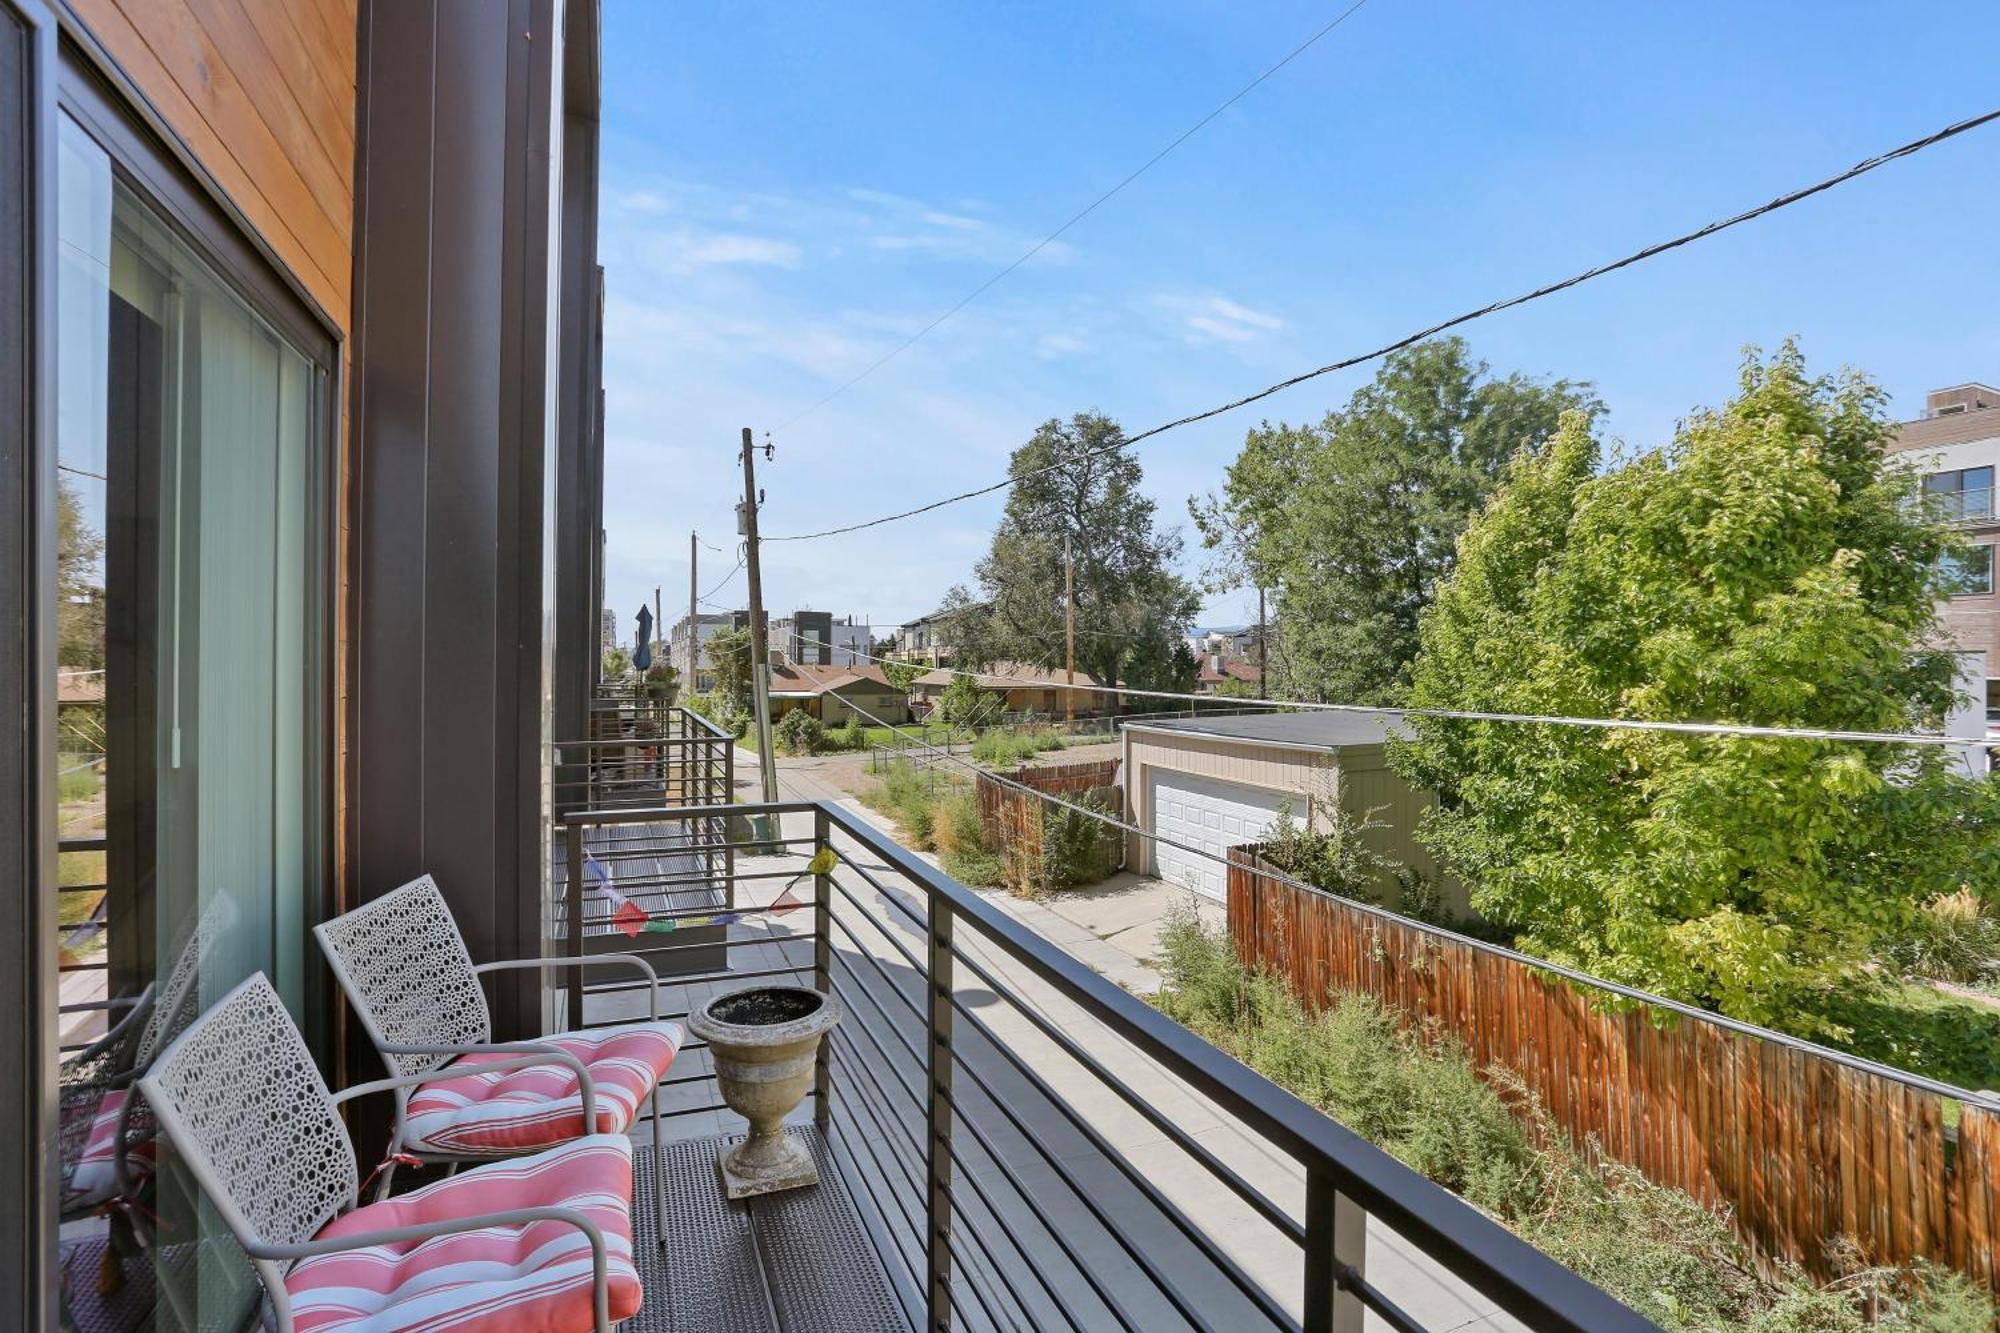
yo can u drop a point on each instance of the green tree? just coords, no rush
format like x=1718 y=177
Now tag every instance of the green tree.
x=1351 y=524
x=616 y=663
x=729 y=652
x=1768 y=566
x=964 y=704
x=79 y=585
x=1132 y=610
x=902 y=675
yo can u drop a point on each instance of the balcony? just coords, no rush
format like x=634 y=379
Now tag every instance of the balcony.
x=1006 y=1139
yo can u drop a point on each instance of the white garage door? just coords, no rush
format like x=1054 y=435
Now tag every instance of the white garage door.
x=1205 y=813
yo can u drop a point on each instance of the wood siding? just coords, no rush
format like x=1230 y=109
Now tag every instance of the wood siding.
x=262 y=93
x=1800 y=1148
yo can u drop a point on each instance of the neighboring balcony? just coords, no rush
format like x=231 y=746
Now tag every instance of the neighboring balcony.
x=1005 y=1138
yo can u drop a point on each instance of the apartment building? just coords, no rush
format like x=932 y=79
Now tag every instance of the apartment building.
x=1955 y=444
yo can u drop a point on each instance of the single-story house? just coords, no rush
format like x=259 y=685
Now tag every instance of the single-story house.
x=1216 y=783
x=826 y=692
x=1217 y=671
x=1021 y=689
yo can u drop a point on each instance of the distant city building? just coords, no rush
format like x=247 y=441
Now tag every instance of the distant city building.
x=926 y=640
x=706 y=627
x=816 y=638
x=608 y=630
x=1956 y=447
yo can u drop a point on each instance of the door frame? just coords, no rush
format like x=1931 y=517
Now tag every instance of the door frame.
x=29 y=73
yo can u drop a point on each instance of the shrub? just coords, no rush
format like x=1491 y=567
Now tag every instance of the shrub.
x=1335 y=857
x=1659 y=1250
x=909 y=795
x=960 y=836
x=1000 y=748
x=799 y=732
x=1951 y=938
x=1077 y=849
x=852 y=735
x=1917 y=1028
x=721 y=709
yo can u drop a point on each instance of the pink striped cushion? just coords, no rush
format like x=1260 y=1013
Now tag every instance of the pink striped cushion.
x=525 y=1279
x=467 y=1114
x=95 y=1179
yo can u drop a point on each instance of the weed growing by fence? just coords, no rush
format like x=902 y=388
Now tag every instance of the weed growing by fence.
x=1659 y=1250
x=1076 y=849
x=961 y=841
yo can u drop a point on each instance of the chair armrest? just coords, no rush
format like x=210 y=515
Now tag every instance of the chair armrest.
x=528 y=1055
x=600 y=1277
x=626 y=959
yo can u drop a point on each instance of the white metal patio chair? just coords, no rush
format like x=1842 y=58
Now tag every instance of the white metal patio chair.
x=541 y=1242
x=405 y=969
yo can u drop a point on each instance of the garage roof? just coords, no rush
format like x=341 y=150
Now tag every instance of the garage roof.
x=1316 y=730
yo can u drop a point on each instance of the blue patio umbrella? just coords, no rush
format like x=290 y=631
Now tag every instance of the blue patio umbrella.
x=643 y=658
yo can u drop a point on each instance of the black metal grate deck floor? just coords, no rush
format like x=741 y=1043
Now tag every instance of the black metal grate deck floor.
x=797 y=1262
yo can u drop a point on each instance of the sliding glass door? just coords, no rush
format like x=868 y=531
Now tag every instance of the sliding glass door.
x=191 y=717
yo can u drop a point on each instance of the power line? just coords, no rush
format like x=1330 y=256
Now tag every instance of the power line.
x=1735 y=729
x=722 y=583
x=1076 y=217
x=1478 y=945
x=1658 y=248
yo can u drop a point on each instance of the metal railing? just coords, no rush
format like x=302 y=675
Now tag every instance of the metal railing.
x=983 y=1094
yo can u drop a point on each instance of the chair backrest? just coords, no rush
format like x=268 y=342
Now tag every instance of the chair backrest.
x=179 y=991
x=404 y=967
x=241 y=1100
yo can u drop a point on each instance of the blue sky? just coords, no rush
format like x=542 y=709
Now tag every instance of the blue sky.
x=790 y=190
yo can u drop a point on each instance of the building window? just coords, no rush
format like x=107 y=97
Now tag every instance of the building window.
x=1963 y=494
x=1972 y=575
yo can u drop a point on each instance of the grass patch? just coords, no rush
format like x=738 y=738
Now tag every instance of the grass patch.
x=1658 y=1250
x=79 y=780
x=1000 y=748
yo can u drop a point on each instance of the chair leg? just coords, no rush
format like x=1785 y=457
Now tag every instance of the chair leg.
x=659 y=1172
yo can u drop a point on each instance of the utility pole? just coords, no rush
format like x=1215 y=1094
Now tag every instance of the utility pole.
x=760 y=654
x=1263 y=649
x=1069 y=635
x=694 y=632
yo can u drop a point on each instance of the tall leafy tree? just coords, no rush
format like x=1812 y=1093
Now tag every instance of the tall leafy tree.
x=1350 y=524
x=1132 y=610
x=79 y=585
x=1767 y=566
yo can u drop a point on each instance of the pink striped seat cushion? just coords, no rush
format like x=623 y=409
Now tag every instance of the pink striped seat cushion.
x=95 y=1179
x=469 y=1114
x=525 y=1279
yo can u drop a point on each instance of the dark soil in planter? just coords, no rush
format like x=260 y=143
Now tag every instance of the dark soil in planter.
x=765 y=1005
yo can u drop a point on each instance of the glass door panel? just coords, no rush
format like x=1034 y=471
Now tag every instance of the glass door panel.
x=189 y=697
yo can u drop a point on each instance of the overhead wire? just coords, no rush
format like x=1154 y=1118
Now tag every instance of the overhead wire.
x=1733 y=729
x=1549 y=289
x=1075 y=218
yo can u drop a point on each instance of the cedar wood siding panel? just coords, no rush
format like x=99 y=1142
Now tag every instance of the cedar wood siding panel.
x=245 y=101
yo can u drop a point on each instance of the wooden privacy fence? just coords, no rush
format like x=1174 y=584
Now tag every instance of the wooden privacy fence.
x=1803 y=1147
x=1012 y=820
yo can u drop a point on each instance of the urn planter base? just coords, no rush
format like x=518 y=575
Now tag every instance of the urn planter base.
x=764 y=1042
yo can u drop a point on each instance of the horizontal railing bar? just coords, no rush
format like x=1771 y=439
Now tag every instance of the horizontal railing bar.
x=908 y=1047
x=1374 y=1298
x=83 y=967
x=1166 y=1285
x=921 y=923
x=1265 y=1207
x=1520 y=1279
x=970 y=1178
x=621 y=987
x=999 y=1162
x=895 y=1234
x=80 y=888
x=669 y=813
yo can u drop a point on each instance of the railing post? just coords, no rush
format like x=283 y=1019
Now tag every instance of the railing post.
x=1336 y=1249
x=822 y=970
x=728 y=799
x=573 y=892
x=937 y=1201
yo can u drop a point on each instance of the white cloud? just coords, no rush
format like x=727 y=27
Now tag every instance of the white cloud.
x=1210 y=319
x=727 y=249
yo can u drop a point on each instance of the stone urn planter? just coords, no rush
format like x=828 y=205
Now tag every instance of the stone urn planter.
x=763 y=1041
